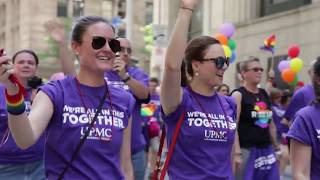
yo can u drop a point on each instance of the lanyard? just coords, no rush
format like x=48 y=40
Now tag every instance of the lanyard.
x=86 y=109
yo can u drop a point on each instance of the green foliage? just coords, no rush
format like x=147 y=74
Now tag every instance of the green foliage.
x=148 y=38
x=52 y=51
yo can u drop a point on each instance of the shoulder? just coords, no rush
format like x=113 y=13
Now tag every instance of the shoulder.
x=135 y=71
x=120 y=94
x=239 y=90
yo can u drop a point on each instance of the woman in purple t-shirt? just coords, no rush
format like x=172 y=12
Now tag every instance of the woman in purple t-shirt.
x=16 y=163
x=67 y=109
x=204 y=143
x=304 y=136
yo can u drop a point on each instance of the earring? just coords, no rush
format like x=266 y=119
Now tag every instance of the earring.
x=196 y=74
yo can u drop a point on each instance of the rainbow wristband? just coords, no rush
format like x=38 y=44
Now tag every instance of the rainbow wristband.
x=15 y=103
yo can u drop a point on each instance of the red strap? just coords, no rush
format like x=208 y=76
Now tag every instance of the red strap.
x=171 y=148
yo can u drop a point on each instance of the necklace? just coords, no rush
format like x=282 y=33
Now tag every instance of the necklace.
x=90 y=117
x=203 y=109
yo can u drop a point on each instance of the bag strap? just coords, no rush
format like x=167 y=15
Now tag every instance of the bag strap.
x=171 y=148
x=86 y=134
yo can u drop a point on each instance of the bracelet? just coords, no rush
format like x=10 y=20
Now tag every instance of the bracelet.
x=127 y=78
x=15 y=103
x=186 y=8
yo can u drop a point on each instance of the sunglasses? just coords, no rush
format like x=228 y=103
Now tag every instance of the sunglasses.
x=126 y=49
x=218 y=61
x=256 y=69
x=99 y=42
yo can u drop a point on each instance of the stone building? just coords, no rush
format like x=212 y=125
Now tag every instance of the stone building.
x=292 y=21
x=22 y=24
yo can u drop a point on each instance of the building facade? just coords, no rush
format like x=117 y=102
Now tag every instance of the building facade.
x=292 y=21
x=22 y=24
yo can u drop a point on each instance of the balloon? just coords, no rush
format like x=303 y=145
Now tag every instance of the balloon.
x=288 y=75
x=300 y=83
x=232 y=44
x=296 y=64
x=233 y=57
x=284 y=64
x=227 y=51
x=293 y=51
x=227 y=29
x=221 y=38
x=295 y=81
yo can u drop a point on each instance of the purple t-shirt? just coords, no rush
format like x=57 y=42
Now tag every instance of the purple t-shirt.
x=98 y=158
x=203 y=148
x=10 y=153
x=306 y=129
x=277 y=115
x=300 y=99
x=137 y=140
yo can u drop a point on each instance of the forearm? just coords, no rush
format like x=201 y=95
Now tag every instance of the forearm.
x=22 y=130
x=178 y=40
x=138 y=89
x=66 y=59
x=273 y=135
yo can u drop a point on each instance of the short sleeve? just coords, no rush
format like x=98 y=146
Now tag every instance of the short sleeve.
x=175 y=115
x=131 y=104
x=297 y=102
x=140 y=76
x=300 y=130
x=53 y=91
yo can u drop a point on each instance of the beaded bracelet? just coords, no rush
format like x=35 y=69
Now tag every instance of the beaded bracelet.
x=15 y=103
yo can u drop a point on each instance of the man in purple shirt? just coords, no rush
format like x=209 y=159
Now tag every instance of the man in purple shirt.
x=135 y=81
x=304 y=136
x=301 y=98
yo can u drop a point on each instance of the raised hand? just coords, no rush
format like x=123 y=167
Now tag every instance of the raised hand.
x=56 y=30
x=189 y=3
x=6 y=69
x=120 y=66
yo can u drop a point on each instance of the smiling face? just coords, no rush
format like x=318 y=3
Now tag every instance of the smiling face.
x=253 y=72
x=208 y=71
x=96 y=60
x=126 y=51
x=25 y=65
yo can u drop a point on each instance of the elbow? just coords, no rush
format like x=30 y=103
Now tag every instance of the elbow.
x=171 y=66
x=23 y=145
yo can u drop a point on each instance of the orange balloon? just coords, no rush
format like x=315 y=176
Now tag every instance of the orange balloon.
x=288 y=75
x=221 y=38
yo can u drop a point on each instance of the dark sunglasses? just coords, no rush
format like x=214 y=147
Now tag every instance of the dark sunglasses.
x=126 y=49
x=256 y=69
x=99 y=42
x=218 y=61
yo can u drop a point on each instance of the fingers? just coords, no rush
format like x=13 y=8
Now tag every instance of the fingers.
x=118 y=64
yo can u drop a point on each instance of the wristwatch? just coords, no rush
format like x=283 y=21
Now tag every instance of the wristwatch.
x=128 y=77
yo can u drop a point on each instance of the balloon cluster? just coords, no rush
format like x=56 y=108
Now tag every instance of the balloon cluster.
x=289 y=68
x=224 y=37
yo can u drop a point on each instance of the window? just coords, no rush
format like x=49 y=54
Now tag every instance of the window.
x=149 y=13
x=278 y=80
x=78 y=8
x=275 y=6
x=62 y=8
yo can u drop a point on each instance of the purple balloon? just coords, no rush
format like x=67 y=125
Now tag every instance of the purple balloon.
x=284 y=64
x=227 y=29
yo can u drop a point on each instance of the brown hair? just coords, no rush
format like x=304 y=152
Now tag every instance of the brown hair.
x=244 y=65
x=26 y=51
x=194 y=52
x=83 y=23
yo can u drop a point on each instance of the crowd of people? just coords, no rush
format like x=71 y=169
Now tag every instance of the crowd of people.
x=107 y=119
